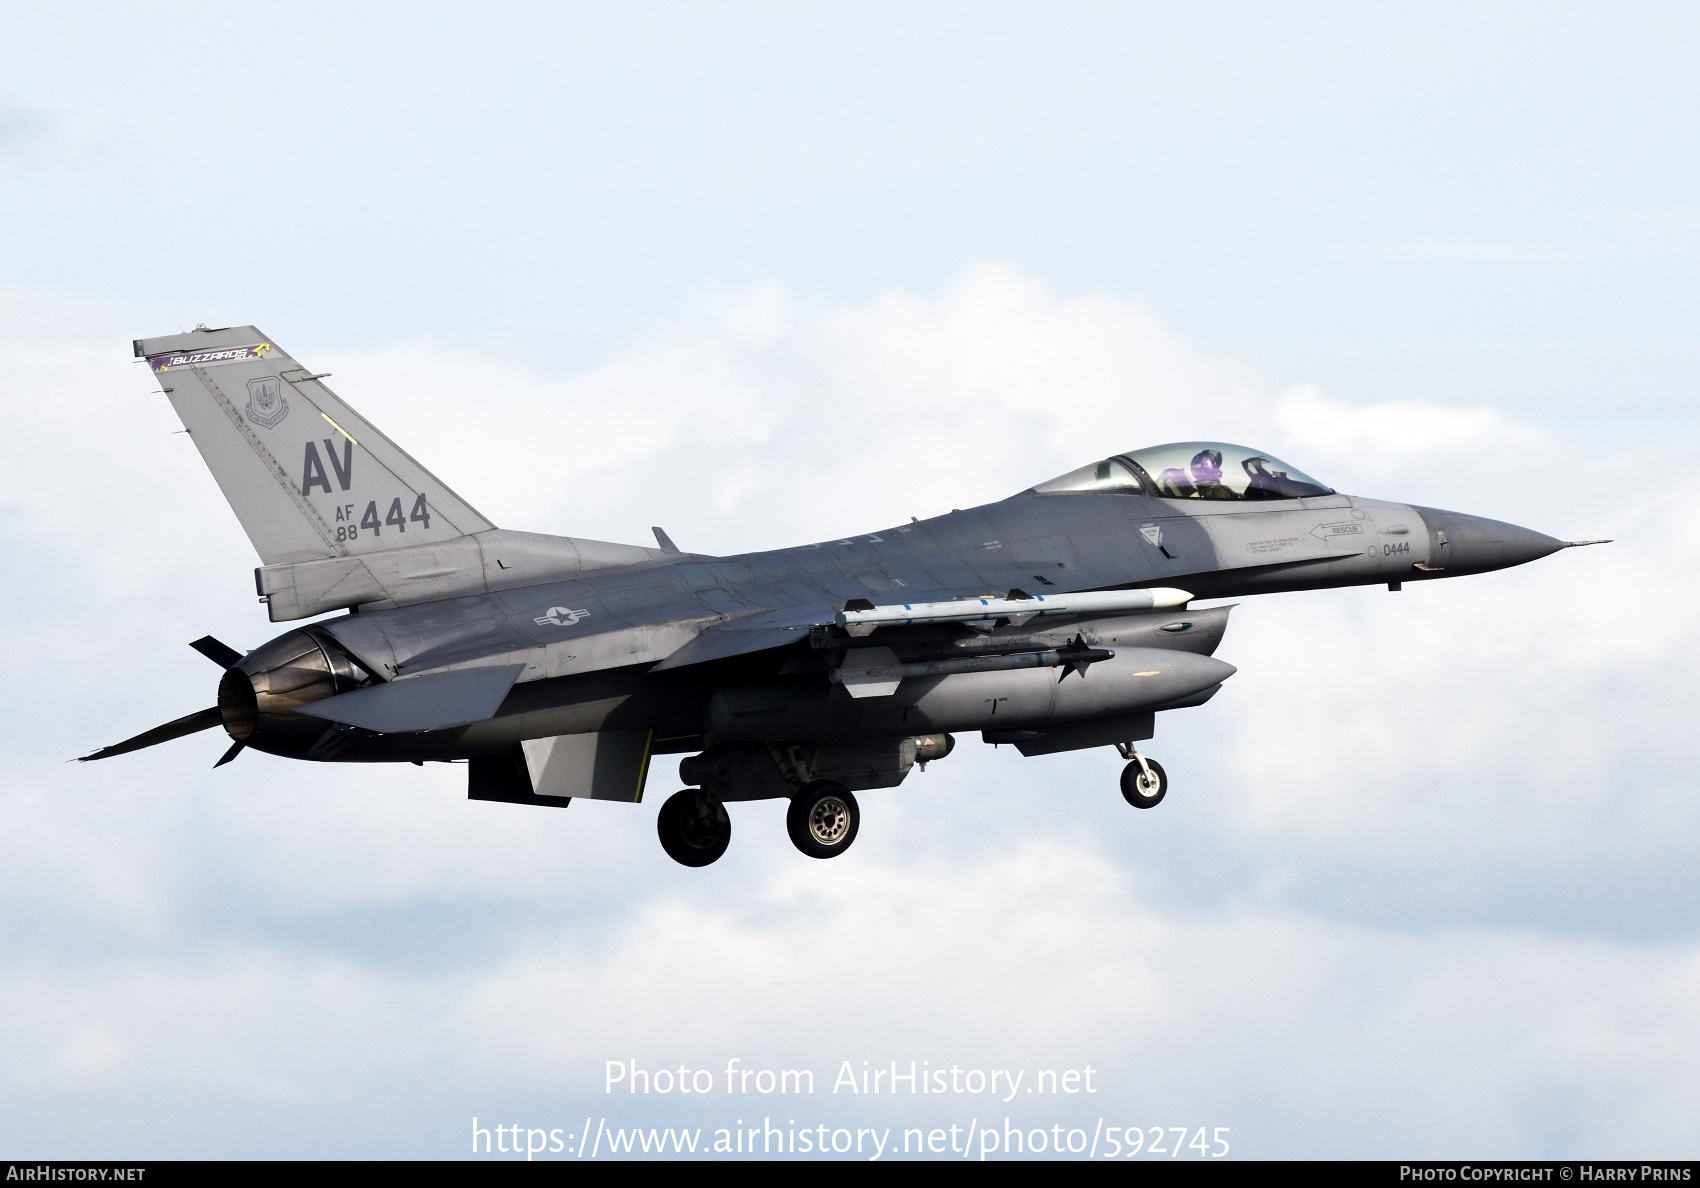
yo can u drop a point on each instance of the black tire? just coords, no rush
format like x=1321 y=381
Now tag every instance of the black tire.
x=823 y=819
x=1137 y=792
x=694 y=827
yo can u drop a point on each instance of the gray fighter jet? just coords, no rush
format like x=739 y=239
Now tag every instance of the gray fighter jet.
x=555 y=667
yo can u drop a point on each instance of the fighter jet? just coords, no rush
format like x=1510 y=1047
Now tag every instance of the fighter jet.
x=557 y=668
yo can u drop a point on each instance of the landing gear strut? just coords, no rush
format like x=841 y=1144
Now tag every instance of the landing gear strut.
x=694 y=827
x=823 y=819
x=1144 y=783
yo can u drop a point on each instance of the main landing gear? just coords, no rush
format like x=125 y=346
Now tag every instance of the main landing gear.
x=1144 y=782
x=694 y=827
x=823 y=819
x=695 y=830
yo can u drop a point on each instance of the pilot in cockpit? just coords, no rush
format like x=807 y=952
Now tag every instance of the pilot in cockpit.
x=1202 y=479
x=1189 y=470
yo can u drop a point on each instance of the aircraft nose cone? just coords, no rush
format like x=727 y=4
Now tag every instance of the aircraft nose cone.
x=1460 y=544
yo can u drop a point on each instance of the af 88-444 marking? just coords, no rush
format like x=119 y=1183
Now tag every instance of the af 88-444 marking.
x=396 y=519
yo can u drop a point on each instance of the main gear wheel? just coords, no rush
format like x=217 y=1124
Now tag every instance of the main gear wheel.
x=823 y=819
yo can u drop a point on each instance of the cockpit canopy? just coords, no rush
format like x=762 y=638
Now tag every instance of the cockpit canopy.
x=1190 y=470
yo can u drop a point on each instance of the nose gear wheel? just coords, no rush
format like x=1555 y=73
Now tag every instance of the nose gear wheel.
x=1144 y=782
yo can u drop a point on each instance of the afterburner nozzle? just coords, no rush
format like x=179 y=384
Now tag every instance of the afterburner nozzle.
x=265 y=691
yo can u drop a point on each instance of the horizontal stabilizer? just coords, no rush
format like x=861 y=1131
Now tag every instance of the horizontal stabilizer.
x=434 y=701
x=188 y=724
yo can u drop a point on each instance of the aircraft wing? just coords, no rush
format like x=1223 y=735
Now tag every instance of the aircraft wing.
x=860 y=618
x=756 y=633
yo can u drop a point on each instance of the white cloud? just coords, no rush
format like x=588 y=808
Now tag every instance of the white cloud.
x=1423 y=885
x=1314 y=421
x=1280 y=1026
x=772 y=420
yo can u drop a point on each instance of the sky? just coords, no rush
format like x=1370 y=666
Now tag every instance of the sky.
x=1424 y=884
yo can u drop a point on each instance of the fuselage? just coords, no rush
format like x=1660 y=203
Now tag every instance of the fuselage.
x=588 y=642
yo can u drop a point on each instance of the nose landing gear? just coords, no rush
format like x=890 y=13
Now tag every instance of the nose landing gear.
x=1144 y=782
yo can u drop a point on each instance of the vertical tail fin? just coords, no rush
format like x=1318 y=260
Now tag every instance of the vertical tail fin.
x=308 y=477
